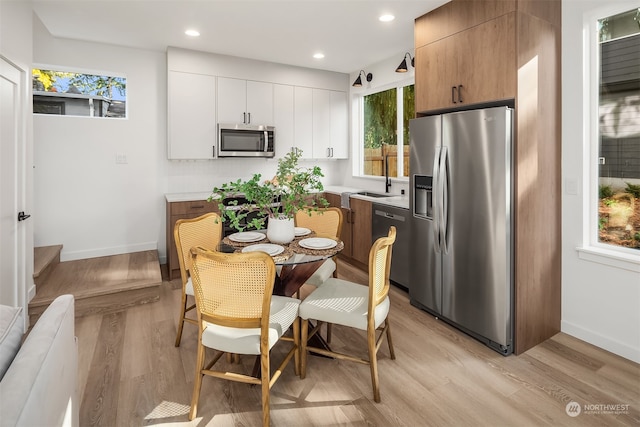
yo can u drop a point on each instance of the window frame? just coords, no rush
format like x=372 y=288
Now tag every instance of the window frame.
x=358 y=126
x=90 y=98
x=592 y=249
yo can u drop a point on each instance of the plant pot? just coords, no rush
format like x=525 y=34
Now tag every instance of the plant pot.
x=281 y=230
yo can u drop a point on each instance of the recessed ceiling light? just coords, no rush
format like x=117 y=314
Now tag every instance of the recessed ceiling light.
x=318 y=55
x=192 y=33
x=386 y=18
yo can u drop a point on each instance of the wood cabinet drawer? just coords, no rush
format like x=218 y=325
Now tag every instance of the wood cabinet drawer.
x=193 y=207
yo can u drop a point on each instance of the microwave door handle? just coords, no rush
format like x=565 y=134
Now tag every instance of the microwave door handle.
x=266 y=140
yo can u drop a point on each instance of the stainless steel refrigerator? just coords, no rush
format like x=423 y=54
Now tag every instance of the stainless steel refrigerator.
x=461 y=224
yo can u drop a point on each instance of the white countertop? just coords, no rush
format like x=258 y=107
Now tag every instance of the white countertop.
x=186 y=197
x=392 y=200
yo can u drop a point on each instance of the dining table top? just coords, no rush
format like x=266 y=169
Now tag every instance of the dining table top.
x=298 y=251
x=297 y=260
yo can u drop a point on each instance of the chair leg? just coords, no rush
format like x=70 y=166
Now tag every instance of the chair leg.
x=265 y=380
x=392 y=354
x=329 y=328
x=197 y=384
x=183 y=310
x=373 y=363
x=296 y=343
x=303 y=356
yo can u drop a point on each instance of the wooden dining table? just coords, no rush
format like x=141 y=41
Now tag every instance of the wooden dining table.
x=296 y=263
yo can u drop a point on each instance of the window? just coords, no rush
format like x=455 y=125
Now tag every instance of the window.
x=78 y=94
x=385 y=132
x=618 y=130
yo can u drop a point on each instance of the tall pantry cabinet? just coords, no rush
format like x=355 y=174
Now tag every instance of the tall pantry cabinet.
x=483 y=52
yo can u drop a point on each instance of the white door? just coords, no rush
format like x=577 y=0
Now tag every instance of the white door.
x=12 y=196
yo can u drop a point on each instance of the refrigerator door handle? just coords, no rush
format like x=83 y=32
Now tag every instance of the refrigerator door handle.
x=445 y=172
x=436 y=198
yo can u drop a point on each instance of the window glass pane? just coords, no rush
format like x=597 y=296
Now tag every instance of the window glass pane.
x=77 y=94
x=409 y=110
x=380 y=124
x=619 y=130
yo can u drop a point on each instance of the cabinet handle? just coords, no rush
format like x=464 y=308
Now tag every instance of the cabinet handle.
x=460 y=93
x=244 y=118
x=249 y=116
x=328 y=152
x=453 y=94
x=331 y=151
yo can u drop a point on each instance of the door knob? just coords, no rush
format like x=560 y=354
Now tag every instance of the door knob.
x=22 y=216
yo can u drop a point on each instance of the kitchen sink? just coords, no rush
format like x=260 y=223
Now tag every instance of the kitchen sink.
x=370 y=194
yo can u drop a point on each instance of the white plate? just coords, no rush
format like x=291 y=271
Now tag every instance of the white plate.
x=246 y=236
x=269 y=248
x=317 y=243
x=301 y=231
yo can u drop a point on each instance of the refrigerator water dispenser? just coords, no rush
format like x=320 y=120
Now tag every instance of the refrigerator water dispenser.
x=423 y=201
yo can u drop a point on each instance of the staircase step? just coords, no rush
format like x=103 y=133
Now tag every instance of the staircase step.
x=102 y=285
x=45 y=259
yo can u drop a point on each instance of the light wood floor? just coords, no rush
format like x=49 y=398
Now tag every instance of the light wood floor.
x=131 y=374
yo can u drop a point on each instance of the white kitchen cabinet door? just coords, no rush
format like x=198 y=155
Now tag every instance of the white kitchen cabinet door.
x=339 y=125
x=232 y=100
x=259 y=103
x=245 y=101
x=283 y=118
x=321 y=124
x=191 y=116
x=303 y=120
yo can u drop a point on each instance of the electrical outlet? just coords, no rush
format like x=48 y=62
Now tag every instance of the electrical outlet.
x=121 y=159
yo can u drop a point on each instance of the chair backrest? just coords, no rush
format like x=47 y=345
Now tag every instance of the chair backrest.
x=324 y=221
x=379 y=268
x=204 y=231
x=233 y=289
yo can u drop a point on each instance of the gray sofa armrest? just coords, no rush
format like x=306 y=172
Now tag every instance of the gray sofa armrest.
x=40 y=387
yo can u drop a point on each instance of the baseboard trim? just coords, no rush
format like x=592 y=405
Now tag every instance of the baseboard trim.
x=614 y=346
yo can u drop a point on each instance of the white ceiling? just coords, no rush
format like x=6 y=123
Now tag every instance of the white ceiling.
x=288 y=32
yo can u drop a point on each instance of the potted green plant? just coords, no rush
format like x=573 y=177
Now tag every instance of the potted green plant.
x=259 y=204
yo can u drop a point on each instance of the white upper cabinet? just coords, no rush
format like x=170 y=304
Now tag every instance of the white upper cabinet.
x=283 y=119
x=330 y=124
x=303 y=120
x=321 y=124
x=191 y=116
x=339 y=125
x=245 y=101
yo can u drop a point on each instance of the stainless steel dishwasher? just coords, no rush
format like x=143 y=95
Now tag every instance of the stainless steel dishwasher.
x=383 y=217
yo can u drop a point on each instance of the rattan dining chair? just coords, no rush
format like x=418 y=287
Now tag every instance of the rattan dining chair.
x=205 y=231
x=324 y=222
x=238 y=314
x=350 y=304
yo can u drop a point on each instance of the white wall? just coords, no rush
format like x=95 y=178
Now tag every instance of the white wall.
x=83 y=199
x=16 y=48
x=384 y=77
x=95 y=207
x=600 y=302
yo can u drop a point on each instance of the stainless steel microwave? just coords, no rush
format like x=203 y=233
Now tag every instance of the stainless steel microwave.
x=240 y=140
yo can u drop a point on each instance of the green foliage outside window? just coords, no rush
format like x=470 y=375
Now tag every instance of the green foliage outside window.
x=380 y=110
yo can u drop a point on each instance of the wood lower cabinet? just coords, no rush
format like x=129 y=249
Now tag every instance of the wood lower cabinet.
x=356 y=228
x=182 y=210
x=470 y=67
x=360 y=230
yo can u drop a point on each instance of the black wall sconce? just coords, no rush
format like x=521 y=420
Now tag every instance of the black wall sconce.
x=358 y=82
x=403 y=68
